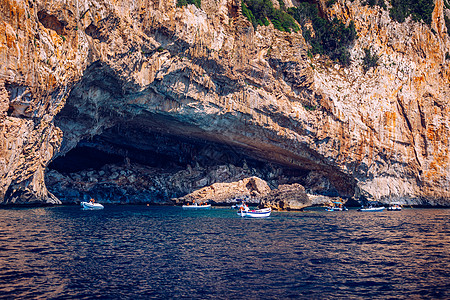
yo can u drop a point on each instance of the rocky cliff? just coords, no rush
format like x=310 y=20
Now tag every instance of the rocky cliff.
x=169 y=87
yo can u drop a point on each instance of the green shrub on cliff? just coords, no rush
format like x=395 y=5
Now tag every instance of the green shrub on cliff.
x=197 y=3
x=418 y=9
x=330 y=37
x=260 y=12
x=369 y=60
x=248 y=14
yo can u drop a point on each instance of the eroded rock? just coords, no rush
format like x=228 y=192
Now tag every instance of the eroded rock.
x=252 y=189
x=287 y=197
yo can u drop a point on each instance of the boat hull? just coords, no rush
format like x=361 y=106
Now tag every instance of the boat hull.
x=372 y=209
x=91 y=206
x=258 y=213
x=336 y=209
x=208 y=206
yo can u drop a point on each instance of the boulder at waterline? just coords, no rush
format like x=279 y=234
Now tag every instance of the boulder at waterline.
x=252 y=189
x=287 y=197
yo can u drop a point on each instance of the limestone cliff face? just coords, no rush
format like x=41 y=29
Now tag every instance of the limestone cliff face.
x=394 y=118
x=136 y=78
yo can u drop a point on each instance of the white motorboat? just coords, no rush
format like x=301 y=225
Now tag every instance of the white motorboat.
x=336 y=209
x=196 y=206
x=255 y=213
x=240 y=202
x=239 y=206
x=372 y=208
x=394 y=206
x=91 y=205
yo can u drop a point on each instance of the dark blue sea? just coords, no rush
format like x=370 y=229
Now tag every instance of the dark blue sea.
x=141 y=252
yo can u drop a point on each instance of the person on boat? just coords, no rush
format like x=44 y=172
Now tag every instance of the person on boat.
x=92 y=201
x=244 y=207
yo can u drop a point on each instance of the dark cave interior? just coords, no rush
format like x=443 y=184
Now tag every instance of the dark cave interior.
x=168 y=153
x=82 y=158
x=159 y=151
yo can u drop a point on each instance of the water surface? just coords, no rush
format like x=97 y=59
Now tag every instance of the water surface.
x=164 y=252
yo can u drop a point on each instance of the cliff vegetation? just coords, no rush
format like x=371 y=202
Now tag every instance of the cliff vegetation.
x=260 y=12
x=197 y=3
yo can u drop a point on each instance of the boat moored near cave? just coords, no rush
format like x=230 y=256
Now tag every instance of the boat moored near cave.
x=240 y=205
x=371 y=208
x=254 y=213
x=196 y=206
x=91 y=205
x=336 y=206
x=394 y=206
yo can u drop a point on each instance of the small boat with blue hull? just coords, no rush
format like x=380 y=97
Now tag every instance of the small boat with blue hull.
x=196 y=206
x=255 y=213
x=91 y=205
x=371 y=208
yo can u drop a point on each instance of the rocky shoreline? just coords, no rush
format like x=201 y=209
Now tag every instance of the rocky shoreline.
x=132 y=183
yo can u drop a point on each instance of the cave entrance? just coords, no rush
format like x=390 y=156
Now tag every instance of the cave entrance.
x=122 y=141
x=127 y=164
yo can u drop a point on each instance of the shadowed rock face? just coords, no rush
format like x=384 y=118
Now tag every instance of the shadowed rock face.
x=158 y=143
x=249 y=189
x=152 y=130
x=171 y=88
x=287 y=197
